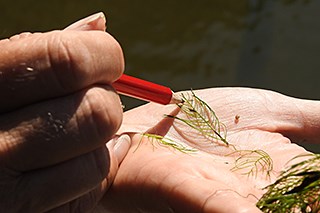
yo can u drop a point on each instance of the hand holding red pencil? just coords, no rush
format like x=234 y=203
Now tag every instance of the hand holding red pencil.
x=56 y=120
x=58 y=114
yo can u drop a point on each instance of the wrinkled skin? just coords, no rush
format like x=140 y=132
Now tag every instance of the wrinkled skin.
x=57 y=112
x=154 y=178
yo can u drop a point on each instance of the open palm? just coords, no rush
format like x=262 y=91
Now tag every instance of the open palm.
x=156 y=178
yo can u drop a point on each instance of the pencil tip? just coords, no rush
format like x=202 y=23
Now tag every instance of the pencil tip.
x=175 y=99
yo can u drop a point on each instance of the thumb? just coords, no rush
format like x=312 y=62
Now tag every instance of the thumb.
x=96 y=21
x=118 y=148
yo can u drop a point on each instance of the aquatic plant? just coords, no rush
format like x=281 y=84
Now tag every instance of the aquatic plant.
x=251 y=162
x=200 y=116
x=166 y=141
x=296 y=190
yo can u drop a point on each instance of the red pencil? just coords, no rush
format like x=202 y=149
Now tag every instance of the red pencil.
x=145 y=90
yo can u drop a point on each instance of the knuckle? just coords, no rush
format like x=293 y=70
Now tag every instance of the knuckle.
x=63 y=60
x=20 y=36
x=84 y=58
x=102 y=112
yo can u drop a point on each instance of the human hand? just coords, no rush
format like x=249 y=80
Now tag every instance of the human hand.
x=155 y=178
x=57 y=112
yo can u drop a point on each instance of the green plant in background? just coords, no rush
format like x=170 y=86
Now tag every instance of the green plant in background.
x=296 y=190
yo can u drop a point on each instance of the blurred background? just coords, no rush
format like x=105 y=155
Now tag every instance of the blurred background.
x=183 y=44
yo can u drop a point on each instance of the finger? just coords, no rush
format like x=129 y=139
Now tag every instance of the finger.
x=85 y=203
x=20 y=36
x=51 y=187
x=94 y=22
x=53 y=131
x=306 y=119
x=58 y=62
x=88 y=201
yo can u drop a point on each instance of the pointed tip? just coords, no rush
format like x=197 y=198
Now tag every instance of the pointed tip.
x=176 y=99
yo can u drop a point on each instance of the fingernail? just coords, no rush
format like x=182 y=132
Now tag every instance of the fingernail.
x=121 y=147
x=94 y=22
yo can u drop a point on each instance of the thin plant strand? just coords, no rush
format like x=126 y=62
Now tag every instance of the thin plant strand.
x=169 y=143
x=252 y=162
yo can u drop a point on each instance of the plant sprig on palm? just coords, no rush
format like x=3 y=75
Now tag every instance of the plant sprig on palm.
x=169 y=143
x=250 y=162
x=202 y=118
x=296 y=190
